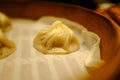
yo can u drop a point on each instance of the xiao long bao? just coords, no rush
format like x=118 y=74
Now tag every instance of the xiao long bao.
x=5 y=22
x=7 y=47
x=56 y=39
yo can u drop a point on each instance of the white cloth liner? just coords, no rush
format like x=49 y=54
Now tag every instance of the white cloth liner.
x=26 y=63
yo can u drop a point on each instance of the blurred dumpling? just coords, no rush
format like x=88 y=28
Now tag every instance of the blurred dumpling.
x=56 y=39
x=6 y=46
x=5 y=23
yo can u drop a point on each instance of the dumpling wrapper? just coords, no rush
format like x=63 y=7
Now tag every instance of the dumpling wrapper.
x=7 y=47
x=56 y=39
x=5 y=23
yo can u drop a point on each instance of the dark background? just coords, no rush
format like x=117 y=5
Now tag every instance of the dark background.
x=91 y=4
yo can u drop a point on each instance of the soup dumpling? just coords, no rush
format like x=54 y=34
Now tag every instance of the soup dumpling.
x=56 y=39
x=5 y=23
x=6 y=46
